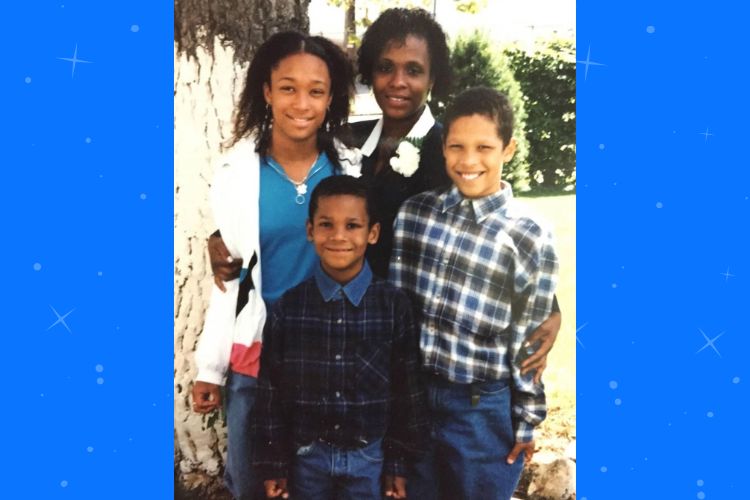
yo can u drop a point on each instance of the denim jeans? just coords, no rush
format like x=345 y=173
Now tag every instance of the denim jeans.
x=469 y=444
x=239 y=476
x=321 y=471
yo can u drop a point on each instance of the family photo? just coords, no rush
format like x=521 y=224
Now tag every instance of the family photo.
x=374 y=250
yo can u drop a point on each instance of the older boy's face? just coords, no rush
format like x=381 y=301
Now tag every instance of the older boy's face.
x=340 y=233
x=474 y=155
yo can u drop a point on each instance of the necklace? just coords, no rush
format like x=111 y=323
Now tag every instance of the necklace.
x=301 y=186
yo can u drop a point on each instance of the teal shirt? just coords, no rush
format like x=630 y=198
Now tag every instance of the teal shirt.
x=287 y=257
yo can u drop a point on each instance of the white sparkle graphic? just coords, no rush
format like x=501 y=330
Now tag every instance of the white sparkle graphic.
x=706 y=134
x=61 y=319
x=588 y=62
x=650 y=29
x=613 y=384
x=578 y=330
x=74 y=60
x=709 y=342
x=135 y=28
x=37 y=266
x=727 y=275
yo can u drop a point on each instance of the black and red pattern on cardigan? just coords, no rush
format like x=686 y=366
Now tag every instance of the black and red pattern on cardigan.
x=391 y=189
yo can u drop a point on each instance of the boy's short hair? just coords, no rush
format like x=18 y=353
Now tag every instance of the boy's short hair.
x=340 y=185
x=482 y=101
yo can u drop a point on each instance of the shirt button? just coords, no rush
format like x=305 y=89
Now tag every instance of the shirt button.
x=338 y=356
x=337 y=426
x=338 y=394
x=339 y=321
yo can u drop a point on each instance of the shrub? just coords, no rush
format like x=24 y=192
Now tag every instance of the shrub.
x=547 y=78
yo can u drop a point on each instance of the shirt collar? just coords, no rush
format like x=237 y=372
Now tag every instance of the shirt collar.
x=419 y=130
x=330 y=289
x=482 y=207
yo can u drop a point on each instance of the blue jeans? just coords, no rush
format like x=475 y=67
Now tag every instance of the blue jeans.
x=469 y=444
x=321 y=471
x=239 y=476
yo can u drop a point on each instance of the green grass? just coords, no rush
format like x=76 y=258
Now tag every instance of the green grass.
x=560 y=213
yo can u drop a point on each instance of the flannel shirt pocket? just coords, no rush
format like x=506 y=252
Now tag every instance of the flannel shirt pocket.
x=373 y=366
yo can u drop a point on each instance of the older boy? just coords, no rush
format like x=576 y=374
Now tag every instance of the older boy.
x=339 y=401
x=483 y=274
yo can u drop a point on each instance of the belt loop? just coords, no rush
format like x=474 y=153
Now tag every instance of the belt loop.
x=474 y=395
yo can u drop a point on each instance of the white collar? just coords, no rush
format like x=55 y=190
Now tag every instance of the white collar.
x=419 y=130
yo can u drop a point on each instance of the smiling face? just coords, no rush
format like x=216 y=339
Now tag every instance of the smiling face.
x=401 y=78
x=474 y=155
x=340 y=232
x=299 y=94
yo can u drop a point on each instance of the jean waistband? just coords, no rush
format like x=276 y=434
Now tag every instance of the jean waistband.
x=439 y=380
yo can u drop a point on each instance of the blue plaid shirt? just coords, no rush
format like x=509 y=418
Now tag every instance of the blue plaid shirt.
x=483 y=274
x=341 y=365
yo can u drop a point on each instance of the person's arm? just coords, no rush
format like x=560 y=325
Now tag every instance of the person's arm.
x=545 y=337
x=223 y=265
x=408 y=430
x=537 y=274
x=269 y=427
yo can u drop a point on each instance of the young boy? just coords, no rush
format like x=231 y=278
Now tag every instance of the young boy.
x=483 y=273
x=339 y=401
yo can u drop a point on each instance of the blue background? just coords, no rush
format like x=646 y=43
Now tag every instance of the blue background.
x=88 y=221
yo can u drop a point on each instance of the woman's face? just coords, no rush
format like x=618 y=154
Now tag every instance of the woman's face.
x=299 y=95
x=401 y=78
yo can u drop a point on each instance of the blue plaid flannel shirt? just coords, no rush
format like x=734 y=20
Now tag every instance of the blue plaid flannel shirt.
x=341 y=365
x=483 y=273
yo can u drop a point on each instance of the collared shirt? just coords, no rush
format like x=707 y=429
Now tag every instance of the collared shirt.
x=339 y=364
x=483 y=273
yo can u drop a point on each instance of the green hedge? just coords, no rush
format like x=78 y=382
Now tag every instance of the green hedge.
x=547 y=78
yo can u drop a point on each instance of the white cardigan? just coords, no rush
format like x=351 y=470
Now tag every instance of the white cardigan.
x=235 y=195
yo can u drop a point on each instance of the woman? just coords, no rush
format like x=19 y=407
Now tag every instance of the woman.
x=295 y=101
x=404 y=57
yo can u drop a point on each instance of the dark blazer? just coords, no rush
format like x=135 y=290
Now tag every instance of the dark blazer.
x=390 y=189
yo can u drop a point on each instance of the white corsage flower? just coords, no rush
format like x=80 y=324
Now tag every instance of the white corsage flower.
x=406 y=159
x=349 y=158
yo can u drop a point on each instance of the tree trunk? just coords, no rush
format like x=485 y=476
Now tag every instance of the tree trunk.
x=214 y=40
x=350 y=28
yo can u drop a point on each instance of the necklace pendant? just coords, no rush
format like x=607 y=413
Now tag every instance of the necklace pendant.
x=299 y=199
x=301 y=189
